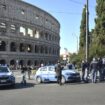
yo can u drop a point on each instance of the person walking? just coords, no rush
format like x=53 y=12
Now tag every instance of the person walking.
x=58 y=70
x=94 y=68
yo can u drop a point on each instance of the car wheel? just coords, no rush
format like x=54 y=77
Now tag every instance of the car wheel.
x=63 y=80
x=38 y=80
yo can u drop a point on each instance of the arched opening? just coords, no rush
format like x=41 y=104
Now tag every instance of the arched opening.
x=2 y=62
x=36 y=49
x=36 y=63
x=2 y=46
x=29 y=63
x=21 y=63
x=29 y=48
x=22 y=47
x=13 y=64
x=13 y=46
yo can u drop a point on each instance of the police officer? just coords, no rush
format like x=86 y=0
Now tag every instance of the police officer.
x=58 y=69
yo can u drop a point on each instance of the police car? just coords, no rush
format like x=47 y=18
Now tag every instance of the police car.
x=48 y=74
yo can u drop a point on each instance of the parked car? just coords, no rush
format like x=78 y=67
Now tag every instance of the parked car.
x=6 y=76
x=48 y=74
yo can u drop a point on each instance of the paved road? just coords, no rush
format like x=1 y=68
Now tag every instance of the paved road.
x=53 y=94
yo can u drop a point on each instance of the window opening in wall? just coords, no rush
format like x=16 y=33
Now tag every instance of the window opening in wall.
x=4 y=6
x=13 y=28
x=21 y=62
x=13 y=46
x=29 y=63
x=22 y=47
x=30 y=32
x=46 y=21
x=22 y=12
x=46 y=36
x=37 y=17
x=2 y=46
x=36 y=63
x=23 y=30
x=29 y=49
x=2 y=25
x=2 y=61
x=37 y=34
x=36 y=49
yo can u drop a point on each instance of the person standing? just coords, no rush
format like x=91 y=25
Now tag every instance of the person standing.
x=24 y=69
x=94 y=68
x=83 y=67
x=100 y=67
x=58 y=70
x=29 y=72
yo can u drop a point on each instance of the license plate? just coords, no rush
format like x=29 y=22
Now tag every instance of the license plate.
x=3 y=81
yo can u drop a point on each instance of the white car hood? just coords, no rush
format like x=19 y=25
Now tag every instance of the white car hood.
x=69 y=71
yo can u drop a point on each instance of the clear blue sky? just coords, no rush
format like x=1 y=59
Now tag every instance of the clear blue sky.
x=68 y=13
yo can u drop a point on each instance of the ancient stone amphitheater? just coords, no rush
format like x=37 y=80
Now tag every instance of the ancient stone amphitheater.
x=28 y=34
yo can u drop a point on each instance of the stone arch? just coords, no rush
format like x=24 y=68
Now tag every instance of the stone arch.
x=29 y=62
x=36 y=48
x=13 y=46
x=2 y=62
x=29 y=48
x=12 y=62
x=21 y=62
x=22 y=47
x=2 y=46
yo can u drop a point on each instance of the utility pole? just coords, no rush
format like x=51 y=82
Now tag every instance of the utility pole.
x=87 y=32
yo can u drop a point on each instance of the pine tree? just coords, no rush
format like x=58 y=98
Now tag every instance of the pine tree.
x=98 y=41
x=82 y=42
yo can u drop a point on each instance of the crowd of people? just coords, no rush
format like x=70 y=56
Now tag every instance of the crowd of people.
x=89 y=71
x=92 y=70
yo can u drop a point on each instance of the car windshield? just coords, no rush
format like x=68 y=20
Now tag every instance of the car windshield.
x=70 y=67
x=3 y=69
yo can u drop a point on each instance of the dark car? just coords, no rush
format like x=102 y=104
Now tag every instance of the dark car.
x=6 y=77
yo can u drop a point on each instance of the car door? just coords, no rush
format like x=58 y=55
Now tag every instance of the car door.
x=52 y=73
x=44 y=73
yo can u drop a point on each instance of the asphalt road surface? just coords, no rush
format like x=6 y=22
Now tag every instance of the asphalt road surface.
x=53 y=94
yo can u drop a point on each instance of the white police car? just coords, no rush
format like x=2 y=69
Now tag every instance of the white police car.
x=48 y=74
x=6 y=76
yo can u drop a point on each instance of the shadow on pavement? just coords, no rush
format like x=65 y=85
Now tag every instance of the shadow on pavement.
x=18 y=86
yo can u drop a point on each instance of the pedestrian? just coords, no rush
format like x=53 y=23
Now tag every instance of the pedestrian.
x=100 y=67
x=83 y=67
x=58 y=69
x=23 y=71
x=94 y=68
x=29 y=72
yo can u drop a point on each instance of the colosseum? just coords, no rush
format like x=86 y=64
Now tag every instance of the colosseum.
x=28 y=34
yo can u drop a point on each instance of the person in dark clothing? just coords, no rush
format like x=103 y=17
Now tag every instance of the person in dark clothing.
x=94 y=68
x=83 y=67
x=24 y=69
x=58 y=70
x=100 y=67
x=29 y=72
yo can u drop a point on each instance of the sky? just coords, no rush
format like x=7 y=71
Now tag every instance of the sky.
x=69 y=15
